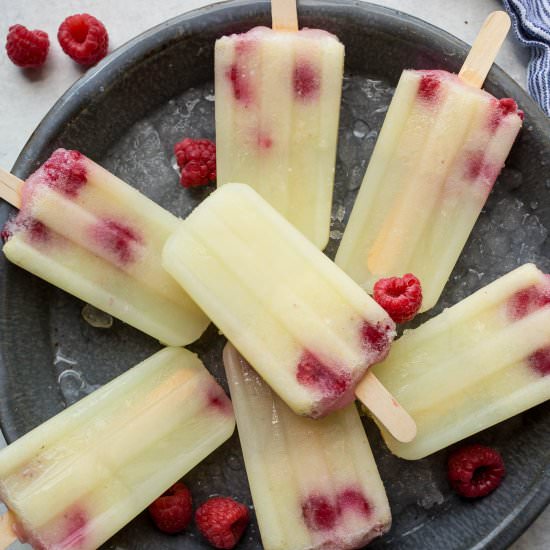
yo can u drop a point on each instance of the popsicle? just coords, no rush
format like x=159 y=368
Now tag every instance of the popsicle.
x=304 y=325
x=81 y=476
x=314 y=483
x=478 y=363
x=440 y=150
x=89 y=233
x=277 y=108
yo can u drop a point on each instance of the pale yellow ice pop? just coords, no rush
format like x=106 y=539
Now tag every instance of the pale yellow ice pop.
x=77 y=479
x=314 y=483
x=89 y=233
x=479 y=362
x=305 y=326
x=440 y=150
x=277 y=108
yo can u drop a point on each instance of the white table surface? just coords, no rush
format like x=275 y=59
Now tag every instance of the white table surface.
x=26 y=96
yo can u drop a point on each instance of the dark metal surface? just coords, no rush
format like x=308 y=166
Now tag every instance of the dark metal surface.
x=119 y=114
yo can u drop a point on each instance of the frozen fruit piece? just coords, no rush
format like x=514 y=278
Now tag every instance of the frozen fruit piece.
x=74 y=481
x=314 y=483
x=27 y=48
x=439 y=152
x=305 y=326
x=277 y=108
x=65 y=171
x=83 y=38
x=478 y=363
x=475 y=470
x=222 y=521
x=401 y=297
x=87 y=232
x=173 y=510
x=196 y=159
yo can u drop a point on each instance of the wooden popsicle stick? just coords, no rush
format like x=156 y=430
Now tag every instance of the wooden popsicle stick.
x=10 y=188
x=7 y=534
x=385 y=407
x=485 y=49
x=284 y=16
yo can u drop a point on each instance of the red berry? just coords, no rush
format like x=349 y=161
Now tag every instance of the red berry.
x=5 y=234
x=83 y=38
x=475 y=471
x=401 y=297
x=27 y=48
x=197 y=161
x=172 y=511
x=222 y=521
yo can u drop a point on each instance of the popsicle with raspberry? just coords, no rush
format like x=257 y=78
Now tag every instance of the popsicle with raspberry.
x=314 y=483
x=478 y=363
x=277 y=108
x=89 y=233
x=440 y=150
x=305 y=326
x=77 y=479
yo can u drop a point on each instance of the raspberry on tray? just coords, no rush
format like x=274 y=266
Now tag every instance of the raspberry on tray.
x=222 y=521
x=475 y=470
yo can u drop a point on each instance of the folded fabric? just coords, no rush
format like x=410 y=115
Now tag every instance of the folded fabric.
x=531 y=21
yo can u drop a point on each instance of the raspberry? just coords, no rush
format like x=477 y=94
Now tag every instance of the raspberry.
x=27 y=48
x=172 y=511
x=222 y=521
x=475 y=471
x=83 y=38
x=197 y=161
x=401 y=297
x=5 y=234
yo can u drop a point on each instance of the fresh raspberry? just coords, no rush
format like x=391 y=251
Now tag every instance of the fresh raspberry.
x=222 y=521
x=172 y=511
x=197 y=161
x=27 y=48
x=475 y=471
x=401 y=297
x=83 y=38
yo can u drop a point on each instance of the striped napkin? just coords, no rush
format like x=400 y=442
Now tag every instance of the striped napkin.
x=531 y=21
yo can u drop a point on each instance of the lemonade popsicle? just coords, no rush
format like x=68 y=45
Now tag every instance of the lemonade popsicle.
x=440 y=150
x=89 y=233
x=305 y=326
x=314 y=483
x=478 y=363
x=77 y=479
x=277 y=110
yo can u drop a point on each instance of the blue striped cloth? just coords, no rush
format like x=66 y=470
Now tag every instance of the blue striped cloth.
x=531 y=21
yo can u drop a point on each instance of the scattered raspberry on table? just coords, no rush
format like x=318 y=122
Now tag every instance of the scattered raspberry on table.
x=172 y=511
x=475 y=470
x=25 y=48
x=222 y=521
x=401 y=297
x=83 y=38
x=196 y=159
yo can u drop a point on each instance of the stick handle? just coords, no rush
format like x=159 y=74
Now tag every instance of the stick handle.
x=485 y=49
x=7 y=533
x=284 y=16
x=10 y=188
x=387 y=410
